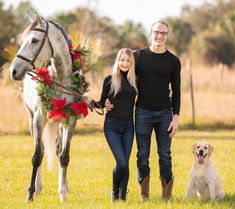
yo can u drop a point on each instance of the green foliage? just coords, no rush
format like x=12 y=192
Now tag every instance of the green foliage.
x=220 y=49
x=90 y=173
x=6 y=30
x=65 y=19
x=206 y=31
x=215 y=20
x=112 y=36
x=180 y=35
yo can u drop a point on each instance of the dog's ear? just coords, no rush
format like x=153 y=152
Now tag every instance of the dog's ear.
x=193 y=148
x=210 y=149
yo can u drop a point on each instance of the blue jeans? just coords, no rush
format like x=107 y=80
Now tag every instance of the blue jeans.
x=120 y=135
x=145 y=122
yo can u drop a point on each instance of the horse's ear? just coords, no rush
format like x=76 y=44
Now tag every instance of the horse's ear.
x=34 y=16
x=38 y=18
x=31 y=15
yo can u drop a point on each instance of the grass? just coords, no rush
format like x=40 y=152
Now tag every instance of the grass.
x=90 y=173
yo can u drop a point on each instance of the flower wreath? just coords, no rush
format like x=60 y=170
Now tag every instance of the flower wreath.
x=58 y=110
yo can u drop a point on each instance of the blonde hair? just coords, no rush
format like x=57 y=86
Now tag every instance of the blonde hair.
x=116 y=75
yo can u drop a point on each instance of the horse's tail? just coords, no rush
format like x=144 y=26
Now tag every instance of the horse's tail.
x=49 y=141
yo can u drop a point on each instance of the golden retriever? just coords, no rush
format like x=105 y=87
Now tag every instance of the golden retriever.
x=204 y=179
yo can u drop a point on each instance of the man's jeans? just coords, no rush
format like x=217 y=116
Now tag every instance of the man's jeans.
x=145 y=122
x=120 y=135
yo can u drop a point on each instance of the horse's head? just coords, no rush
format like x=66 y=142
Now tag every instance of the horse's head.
x=35 y=49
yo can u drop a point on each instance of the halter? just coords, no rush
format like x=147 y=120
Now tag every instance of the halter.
x=40 y=48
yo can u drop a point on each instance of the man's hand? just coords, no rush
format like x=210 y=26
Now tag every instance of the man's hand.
x=174 y=125
x=108 y=105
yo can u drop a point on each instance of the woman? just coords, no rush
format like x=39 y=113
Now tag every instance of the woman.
x=120 y=88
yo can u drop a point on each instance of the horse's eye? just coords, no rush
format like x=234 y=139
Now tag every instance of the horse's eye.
x=34 y=40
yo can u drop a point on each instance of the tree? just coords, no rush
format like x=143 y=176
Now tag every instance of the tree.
x=7 y=24
x=180 y=35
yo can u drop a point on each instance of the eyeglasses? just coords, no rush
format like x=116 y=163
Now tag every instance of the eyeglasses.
x=162 y=33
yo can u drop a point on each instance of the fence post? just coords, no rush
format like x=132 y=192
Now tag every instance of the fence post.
x=188 y=68
x=221 y=69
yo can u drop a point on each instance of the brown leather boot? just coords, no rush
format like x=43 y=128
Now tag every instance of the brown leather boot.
x=166 y=188
x=144 y=189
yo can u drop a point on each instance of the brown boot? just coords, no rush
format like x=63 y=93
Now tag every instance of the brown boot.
x=166 y=188
x=144 y=189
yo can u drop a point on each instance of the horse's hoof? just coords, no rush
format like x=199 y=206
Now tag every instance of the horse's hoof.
x=29 y=199
x=38 y=190
x=62 y=197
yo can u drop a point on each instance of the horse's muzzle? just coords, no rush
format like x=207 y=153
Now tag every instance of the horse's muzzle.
x=15 y=75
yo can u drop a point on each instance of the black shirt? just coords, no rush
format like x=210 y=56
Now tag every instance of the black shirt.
x=123 y=102
x=154 y=74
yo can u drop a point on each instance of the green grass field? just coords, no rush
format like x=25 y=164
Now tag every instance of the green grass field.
x=90 y=173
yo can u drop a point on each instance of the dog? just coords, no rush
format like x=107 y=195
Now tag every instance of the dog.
x=204 y=179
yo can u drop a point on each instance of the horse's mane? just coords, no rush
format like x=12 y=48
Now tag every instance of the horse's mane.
x=59 y=27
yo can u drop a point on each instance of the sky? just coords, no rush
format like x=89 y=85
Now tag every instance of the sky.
x=139 y=11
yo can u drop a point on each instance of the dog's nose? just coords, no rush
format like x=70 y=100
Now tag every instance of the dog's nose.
x=200 y=152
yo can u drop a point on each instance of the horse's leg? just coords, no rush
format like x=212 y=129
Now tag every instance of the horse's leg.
x=66 y=137
x=38 y=125
x=38 y=183
x=30 y=119
x=59 y=150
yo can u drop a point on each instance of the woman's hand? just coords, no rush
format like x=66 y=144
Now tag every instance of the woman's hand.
x=108 y=105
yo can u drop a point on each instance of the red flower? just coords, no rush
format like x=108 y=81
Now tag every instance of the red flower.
x=70 y=46
x=43 y=75
x=57 y=110
x=77 y=59
x=77 y=56
x=80 y=108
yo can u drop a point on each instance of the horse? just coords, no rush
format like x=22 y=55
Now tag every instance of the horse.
x=42 y=41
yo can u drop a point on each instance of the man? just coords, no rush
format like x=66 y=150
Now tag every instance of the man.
x=156 y=70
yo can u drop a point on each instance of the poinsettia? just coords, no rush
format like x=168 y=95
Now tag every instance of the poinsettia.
x=80 y=108
x=43 y=75
x=57 y=110
x=70 y=46
x=77 y=59
x=76 y=55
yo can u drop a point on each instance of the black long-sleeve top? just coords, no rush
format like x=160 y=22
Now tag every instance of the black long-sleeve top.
x=123 y=102
x=155 y=74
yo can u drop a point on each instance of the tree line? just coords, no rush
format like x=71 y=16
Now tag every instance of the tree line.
x=205 y=33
